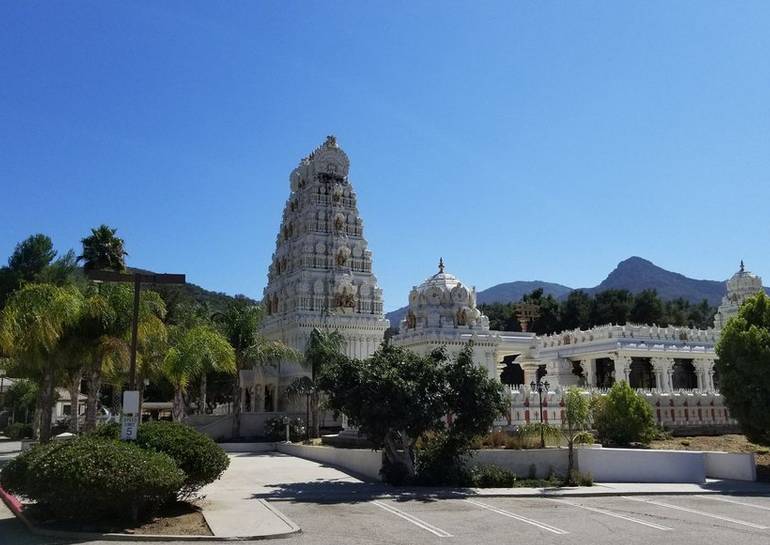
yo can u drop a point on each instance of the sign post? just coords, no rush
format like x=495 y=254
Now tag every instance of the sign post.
x=130 y=417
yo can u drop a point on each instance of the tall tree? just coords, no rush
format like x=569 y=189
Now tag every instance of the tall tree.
x=32 y=256
x=193 y=351
x=611 y=307
x=239 y=322
x=744 y=367
x=647 y=308
x=103 y=249
x=577 y=419
x=31 y=327
x=323 y=349
x=576 y=311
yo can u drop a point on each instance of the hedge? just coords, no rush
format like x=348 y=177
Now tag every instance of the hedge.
x=90 y=478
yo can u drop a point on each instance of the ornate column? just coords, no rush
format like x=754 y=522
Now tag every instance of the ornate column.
x=530 y=370
x=709 y=375
x=663 y=368
x=622 y=365
x=589 y=370
x=242 y=401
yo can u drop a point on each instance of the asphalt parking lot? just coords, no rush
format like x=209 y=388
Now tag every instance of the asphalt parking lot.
x=734 y=520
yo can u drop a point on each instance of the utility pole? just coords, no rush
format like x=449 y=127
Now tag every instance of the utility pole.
x=130 y=417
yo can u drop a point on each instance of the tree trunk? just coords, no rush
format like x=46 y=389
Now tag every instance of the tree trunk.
x=236 y=432
x=92 y=400
x=397 y=451
x=314 y=415
x=46 y=406
x=177 y=410
x=202 y=400
x=74 y=388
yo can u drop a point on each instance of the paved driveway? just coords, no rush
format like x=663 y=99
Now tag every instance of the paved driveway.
x=333 y=508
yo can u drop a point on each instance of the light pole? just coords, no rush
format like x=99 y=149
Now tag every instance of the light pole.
x=540 y=387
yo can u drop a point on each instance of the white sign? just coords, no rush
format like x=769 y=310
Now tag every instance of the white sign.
x=131 y=402
x=129 y=424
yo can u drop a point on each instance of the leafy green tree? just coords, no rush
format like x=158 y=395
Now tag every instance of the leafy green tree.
x=611 y=307
x=577 y=419
x=31 y=326
x=20 y=399
x=192 y=352
x=103 y=249
x=576 y=311
x=548 y=309
x=32 y=256
x=743 y=365
x=239 y=323
x=323 y=348
x=647 y=308
x=623 y=417
x=397 y=396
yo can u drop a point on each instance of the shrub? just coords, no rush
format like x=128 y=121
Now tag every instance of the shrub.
x=441 y=461
x=624 y=417
x=489 y=476
x=275 y=428
x=529 y=435
x=110 y=430
x=89 y=477
x=18 y=430
x=199 y=457
x=579 y=479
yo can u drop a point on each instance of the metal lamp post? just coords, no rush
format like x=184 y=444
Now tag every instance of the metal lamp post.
x=540 y=385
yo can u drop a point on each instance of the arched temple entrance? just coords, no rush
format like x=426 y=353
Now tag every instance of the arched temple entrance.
x=641 y=374
x=512 y=373
x=683 y=377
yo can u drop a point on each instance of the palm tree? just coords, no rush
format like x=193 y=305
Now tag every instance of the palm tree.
x=322 y=348
x=240 y=324
x=194 y=350
x=103 y=249
x=31 y=327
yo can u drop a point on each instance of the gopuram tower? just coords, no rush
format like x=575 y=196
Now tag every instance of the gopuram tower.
x=321 y=271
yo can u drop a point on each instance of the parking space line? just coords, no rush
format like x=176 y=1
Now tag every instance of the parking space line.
x=526 y=520
x=696 y=512
x=616 y=515
x=414 y=520
x=726 y=500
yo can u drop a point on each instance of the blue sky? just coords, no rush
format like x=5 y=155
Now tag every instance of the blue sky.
x=518 y=140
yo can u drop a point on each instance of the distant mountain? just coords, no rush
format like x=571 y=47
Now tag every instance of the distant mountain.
x=175 y=294
x=499 y=293
x=514 y=291
x=636 y=274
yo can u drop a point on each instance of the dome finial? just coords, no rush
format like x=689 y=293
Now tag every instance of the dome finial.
x=742 y=267
x=441 y=264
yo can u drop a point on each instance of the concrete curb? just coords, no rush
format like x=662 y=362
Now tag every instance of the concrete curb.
x=17 y=508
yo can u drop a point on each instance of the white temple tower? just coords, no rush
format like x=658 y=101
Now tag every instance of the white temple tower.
x=321 y=271
x=741 y=286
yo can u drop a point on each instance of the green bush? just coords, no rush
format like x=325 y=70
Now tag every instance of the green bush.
x=441 y=461
x=201 y=459
x=17 y=431
x=275 y=428
x=488 y=476
x=624 y=417
x=91 y=478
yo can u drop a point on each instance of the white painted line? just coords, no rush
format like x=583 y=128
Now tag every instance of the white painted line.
x=616 y=515
x=411 y=518
x=726 y=500
x=696 y=512
x=526 y=520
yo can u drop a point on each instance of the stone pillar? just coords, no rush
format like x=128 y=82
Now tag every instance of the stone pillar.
x=664 y=367
x=243 y=399
x=622 y=366
x=589 y=370
x=530 y=371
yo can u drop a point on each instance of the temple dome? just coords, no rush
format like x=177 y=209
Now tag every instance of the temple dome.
x=443 y=301
x=742 y=285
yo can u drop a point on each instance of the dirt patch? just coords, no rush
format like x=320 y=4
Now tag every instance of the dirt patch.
x=180 y=518
x=726 y=443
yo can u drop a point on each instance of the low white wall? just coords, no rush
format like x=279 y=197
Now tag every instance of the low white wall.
x=519 y=461
x=247 y=447
x=610 y=465
x=728 y=465
x=362 y=462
